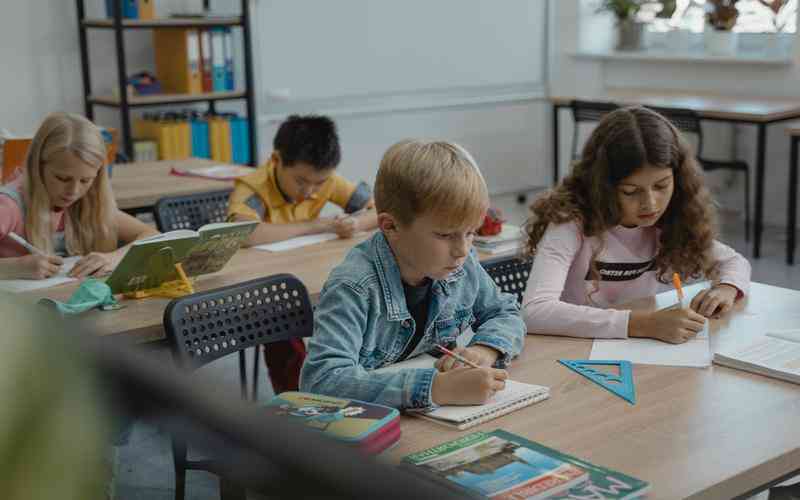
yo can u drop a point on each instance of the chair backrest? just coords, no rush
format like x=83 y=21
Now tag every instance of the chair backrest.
x=206 y=326
x=685 y=120
x=587 y=111
x=510 y=273
x=191 y=211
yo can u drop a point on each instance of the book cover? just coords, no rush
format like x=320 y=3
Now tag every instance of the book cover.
x=502 y=465
x=151 y=261
x=347 y=420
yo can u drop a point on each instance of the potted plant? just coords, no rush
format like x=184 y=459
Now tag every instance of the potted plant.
x=629 y=29
x=721 y=17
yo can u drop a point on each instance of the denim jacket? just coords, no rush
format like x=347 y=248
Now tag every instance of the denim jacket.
x=362 y=323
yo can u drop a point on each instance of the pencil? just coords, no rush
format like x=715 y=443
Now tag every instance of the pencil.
x=676 y=282
x=457 y=357
x=32 y=249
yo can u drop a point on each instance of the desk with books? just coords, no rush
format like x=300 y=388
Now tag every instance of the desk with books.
x=138 y=186
x=699 y=433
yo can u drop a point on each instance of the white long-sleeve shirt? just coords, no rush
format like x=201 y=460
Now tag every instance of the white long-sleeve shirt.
x=559 y=297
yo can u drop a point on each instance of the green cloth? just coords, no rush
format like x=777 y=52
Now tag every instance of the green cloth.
x=92 y=293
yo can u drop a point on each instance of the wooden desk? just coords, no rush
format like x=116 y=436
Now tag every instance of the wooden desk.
x=753 y=111
x=699 y=433
x=791 y=219
x=138 y=186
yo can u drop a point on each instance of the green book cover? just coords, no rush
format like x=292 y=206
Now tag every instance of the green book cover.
x=151 y=261
x=502 y=465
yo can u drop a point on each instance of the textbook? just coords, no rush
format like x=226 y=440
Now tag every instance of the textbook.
x=502 y=465
x=516 y=395
x=776 y=355
x=368 y=427
x=151 y=261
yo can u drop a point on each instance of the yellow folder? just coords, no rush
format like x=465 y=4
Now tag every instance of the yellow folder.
x=220 y=135
x=177 y=52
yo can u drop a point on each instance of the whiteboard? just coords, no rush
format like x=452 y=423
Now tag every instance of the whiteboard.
x=311 y=50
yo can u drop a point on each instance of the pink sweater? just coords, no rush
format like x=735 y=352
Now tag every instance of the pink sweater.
x=556 y=298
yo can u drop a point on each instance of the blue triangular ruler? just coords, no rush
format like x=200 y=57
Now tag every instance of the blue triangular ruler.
x=621 y=385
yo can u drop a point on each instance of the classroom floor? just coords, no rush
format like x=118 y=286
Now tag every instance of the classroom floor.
x=144 y=464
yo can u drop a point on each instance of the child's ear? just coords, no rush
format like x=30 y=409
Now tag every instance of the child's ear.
x=387 y=224
x=275 y=158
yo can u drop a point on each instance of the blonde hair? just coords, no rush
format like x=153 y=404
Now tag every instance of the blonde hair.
x=89 y=222
x=417 y=177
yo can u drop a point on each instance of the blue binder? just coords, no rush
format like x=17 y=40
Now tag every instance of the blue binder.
x=129 y=8
x=218 y=59
x=201 y=147
x=228 y=42
x=240 y=140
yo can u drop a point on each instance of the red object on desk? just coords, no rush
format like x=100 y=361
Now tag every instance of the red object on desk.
x=492 y=222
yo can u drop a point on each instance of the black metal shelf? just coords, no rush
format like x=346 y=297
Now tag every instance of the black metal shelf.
x=208 y=22
x=125 y=102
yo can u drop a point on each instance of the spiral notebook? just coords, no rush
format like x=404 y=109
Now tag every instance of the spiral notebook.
x=516 y=395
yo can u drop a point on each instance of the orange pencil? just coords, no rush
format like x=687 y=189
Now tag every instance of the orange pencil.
x=457 y=357
x=676 y=282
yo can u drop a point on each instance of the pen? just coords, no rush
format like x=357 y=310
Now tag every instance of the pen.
x=676 y=282
x=32 y=249
x=457 y=357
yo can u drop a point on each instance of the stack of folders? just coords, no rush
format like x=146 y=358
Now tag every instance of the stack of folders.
x=510 y=239
x=368 y=427
x=194 y=61
x=132 y=9
x=224 y=137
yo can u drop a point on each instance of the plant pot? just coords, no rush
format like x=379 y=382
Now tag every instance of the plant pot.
x=629 y=35
x=720 y=42
x=679 y=41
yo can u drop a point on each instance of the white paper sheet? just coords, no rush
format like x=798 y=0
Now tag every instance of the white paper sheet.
x=694 y=353
x=28 y=285
x=291 y=244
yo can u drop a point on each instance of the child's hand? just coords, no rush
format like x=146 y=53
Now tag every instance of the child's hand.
x=94 y=264
x=39 y=267
x=467 y=386
x=674 y=325
x=478 y=354
x=715 y=301
x=344 y=226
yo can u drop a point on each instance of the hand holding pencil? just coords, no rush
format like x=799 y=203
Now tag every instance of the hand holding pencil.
x=37 y=264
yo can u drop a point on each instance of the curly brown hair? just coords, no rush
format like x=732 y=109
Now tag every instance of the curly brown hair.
x=624 y=141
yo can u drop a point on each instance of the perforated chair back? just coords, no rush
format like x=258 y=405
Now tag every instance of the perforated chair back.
x=685 y=120
x=587 y=111
x=510 y=273
x=191 y=211
x=208 y=325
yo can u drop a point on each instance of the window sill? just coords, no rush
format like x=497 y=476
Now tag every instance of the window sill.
x=658 y=56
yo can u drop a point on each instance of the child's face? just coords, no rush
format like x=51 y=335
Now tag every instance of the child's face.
x=301 y=180
x=425 y=248
x=644 y=195
x=67 y=178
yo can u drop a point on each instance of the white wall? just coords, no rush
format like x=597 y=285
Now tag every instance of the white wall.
x=581 y=76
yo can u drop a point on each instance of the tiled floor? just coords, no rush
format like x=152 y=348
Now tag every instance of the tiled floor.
x=145 y=464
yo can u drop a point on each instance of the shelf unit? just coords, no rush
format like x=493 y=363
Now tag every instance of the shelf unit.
x=124 y=102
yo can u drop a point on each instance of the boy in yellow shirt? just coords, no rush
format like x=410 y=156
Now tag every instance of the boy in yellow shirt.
x=289 y=191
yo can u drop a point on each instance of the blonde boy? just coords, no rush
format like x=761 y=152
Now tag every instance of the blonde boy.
x=415 y=284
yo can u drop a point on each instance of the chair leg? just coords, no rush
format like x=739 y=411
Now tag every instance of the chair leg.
x=747 y=205
x=256 y=352
x=179 y=461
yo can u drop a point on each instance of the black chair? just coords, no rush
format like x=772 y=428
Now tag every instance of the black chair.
x=688 y=121
x=510 y=273
x=191 y=211
x=587 y=111
x=206 y=326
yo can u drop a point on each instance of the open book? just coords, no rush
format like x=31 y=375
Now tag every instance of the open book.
x=516 y=395
x=776 y=355
x=216 y=172
x=151 y=261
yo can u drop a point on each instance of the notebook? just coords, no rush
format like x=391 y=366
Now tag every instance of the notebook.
x=776 y=355
x=29 y=285
x=516 y=395
x=300 y=241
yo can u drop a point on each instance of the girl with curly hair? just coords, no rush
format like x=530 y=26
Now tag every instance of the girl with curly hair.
x=633 y=211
